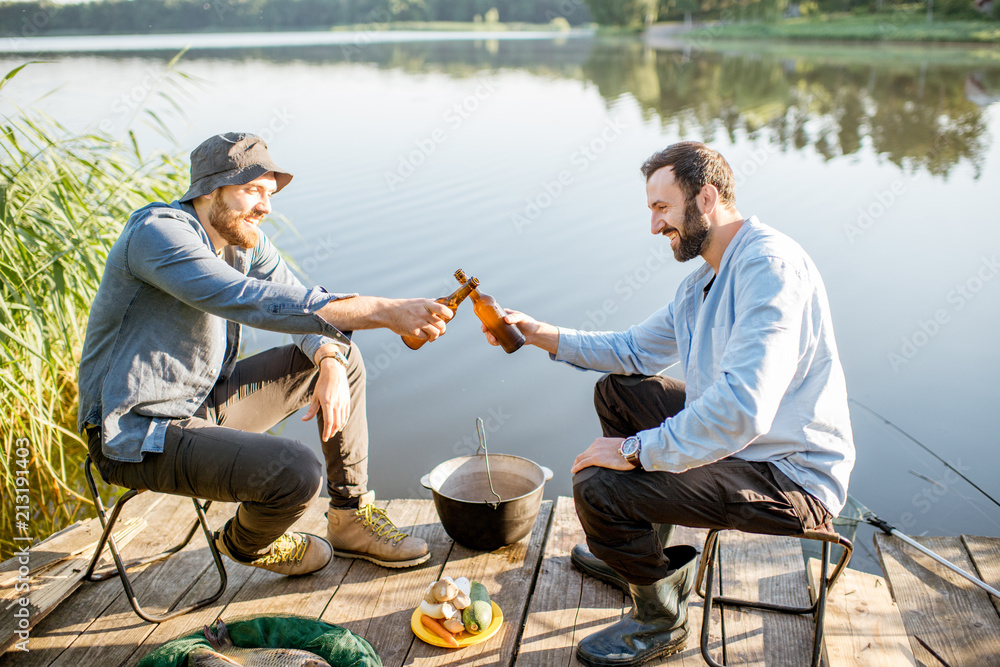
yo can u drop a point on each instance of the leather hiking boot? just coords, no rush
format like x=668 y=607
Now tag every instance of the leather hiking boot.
x=368 y=533
x=657 y=625
x=588 y=563
x=293 y=554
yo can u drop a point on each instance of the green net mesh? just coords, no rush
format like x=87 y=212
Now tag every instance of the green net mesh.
x=338 y=646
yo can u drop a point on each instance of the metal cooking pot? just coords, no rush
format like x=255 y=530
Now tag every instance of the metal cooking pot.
x=487 y=501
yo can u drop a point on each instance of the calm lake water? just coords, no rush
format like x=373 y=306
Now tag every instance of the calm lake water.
x=517 y=160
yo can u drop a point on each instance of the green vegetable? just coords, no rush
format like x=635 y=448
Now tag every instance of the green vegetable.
x=478 y=615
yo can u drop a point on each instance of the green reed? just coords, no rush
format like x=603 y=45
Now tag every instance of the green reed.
x=64 y=198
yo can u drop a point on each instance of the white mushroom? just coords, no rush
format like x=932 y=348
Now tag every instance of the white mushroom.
x=454 y=625
x=434 y=610
x=464 y=585
x=444 y=590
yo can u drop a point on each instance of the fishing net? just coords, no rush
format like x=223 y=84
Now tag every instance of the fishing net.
x=338 y=646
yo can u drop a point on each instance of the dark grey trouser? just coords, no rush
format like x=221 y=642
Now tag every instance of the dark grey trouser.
x=222 y=453
x=617 y=509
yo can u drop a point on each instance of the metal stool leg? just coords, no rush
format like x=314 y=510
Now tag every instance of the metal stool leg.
x=705 y=579
x=108 y=523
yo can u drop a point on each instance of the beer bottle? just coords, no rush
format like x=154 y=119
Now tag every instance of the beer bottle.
x=491 y=314
x=452 y=301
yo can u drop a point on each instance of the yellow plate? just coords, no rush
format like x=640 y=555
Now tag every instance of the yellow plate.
x=464 y=638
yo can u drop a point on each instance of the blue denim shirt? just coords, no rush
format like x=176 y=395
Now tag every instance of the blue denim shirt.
x=165 y=324
x=758 y=355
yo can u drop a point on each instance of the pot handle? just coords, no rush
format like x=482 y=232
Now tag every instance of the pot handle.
x=425 y=481
x=546 y=472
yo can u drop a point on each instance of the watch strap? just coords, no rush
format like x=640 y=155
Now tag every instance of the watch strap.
x=338 y=356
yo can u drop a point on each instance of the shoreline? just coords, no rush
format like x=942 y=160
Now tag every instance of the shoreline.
x=871 y=30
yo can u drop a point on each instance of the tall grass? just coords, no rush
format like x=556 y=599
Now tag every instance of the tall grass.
x=64 y=198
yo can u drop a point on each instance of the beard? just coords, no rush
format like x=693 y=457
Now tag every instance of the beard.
x=693 y=237
x=229 y=223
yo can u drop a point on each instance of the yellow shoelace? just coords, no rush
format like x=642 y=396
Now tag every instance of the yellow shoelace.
x=286 y=549
x=381 y=524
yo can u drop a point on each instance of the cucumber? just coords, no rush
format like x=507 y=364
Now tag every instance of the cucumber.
x=478 y=615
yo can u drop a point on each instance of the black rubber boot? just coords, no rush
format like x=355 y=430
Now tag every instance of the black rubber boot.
x=588 y=563
x=657 y=626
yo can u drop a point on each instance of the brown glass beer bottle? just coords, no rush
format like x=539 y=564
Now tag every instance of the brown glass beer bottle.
x=491 y=314
x=452 y=301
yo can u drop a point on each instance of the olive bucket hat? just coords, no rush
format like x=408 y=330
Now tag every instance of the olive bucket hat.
x=233 y=158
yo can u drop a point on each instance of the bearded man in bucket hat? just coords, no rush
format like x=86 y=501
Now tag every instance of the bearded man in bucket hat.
x=167 y=406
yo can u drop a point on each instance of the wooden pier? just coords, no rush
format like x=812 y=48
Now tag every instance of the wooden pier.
x=548 y=605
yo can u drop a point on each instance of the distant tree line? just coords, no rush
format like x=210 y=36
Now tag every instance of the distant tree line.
x=37 y=17
x=637 y=13
x=146 y=16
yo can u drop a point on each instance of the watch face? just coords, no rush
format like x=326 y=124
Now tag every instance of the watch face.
x=630 y=447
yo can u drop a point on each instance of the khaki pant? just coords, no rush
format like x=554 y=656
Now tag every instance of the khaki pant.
x=617 y=508
x=222 y=453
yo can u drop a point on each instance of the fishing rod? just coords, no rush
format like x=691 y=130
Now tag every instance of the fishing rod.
x=925 y=448
x=872 y=519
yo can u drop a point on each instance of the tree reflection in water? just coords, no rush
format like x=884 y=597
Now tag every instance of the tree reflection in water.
x=916 y=115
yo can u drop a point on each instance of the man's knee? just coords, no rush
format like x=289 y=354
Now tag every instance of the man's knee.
x=594 y=492
x=293 y=476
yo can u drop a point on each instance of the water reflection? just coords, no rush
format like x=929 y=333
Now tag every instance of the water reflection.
x=916 y=113
x=914 y=116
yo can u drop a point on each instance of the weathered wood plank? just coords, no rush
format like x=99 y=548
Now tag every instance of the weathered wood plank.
x=557 y=601
x=567 y=606
x=863 y=625
x=239 y=577
x=985 y=554
x=509 y=575
x=114 y=635
x=268 y=593
x=564 y=607
x=768 y=568
x=60 y=630
x=72 y=541
x=954 y=618
x=50 y=584
x=690 y=656
x=376 y=602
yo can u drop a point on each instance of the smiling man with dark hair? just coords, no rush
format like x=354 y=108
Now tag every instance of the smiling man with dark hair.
x=168 y=406
x=757 y=437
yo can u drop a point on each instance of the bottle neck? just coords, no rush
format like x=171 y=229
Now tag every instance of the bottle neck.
x=458 y=296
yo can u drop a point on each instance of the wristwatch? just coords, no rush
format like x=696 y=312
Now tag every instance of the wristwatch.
x=630 y=449
x=338 y=356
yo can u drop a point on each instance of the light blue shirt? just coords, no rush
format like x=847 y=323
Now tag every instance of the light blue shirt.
x=165 y=324
x=760 y=363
